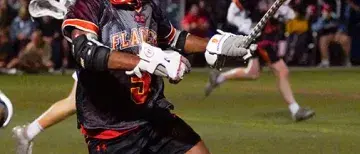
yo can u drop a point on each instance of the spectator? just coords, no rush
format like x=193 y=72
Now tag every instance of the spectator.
x=196 y=24
x=310 y=13
x=205 y=12
x=299 y=39
x=21 y=29
x=51 y=29
x=299 y=25
x=36 y=57
x=17 y=4
x=354 y=28
x=328 y=28
x=6 y=48
x=7 y=14
x=204 y=9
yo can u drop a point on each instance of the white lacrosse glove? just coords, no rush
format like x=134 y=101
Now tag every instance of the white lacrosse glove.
x=227 y=44
x=155 y=61
x=179 y=63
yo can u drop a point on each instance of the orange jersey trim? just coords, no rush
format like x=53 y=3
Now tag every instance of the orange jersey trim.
x=84 y=25
x=264 y=55
x=170 y=37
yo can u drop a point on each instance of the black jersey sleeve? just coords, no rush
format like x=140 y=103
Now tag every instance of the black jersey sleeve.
x=166 y=31
x=83 y=15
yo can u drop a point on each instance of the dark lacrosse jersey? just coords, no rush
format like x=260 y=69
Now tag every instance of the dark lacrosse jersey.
x=111 y=99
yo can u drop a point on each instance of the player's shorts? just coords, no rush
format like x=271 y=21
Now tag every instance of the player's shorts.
x=267 y=52
x=169 y=134
x=328 y=31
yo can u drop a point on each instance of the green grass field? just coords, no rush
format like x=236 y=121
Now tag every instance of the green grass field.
x=240 y=117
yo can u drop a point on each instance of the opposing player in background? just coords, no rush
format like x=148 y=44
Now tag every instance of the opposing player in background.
x=6 y=110
x=243 y=14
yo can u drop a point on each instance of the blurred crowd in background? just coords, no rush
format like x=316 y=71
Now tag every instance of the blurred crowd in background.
x=31 y=45
x=323 y=33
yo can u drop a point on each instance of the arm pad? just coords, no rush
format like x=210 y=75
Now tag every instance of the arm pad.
x=179 y=41
x=90 y=54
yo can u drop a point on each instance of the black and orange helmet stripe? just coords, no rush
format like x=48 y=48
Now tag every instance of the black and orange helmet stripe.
x=239 y=4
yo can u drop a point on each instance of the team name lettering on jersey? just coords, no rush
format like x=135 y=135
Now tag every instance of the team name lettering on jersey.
x=124 y=39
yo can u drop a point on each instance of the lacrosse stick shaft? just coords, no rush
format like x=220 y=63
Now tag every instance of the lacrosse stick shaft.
x=261 y=24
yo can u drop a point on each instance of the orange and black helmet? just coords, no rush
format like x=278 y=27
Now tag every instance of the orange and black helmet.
x=239 y=4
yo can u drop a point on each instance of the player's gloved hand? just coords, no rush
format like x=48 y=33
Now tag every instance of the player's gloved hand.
x=183 y=66
x=161 y=63
x=227 y=44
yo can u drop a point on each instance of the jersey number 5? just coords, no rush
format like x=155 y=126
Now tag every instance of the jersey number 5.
x=140 y=88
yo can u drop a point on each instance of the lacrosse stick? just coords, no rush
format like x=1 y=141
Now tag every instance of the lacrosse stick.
x=254 y=32
x=53 y=8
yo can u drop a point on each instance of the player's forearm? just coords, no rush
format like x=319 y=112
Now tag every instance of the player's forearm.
x=101 y=58
x=122 y=61
x=195 y=44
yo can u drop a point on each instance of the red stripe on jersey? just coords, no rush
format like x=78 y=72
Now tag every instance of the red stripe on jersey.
x=104 y=134
x=121 y=2
x=82 y=25
x=172 y=34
